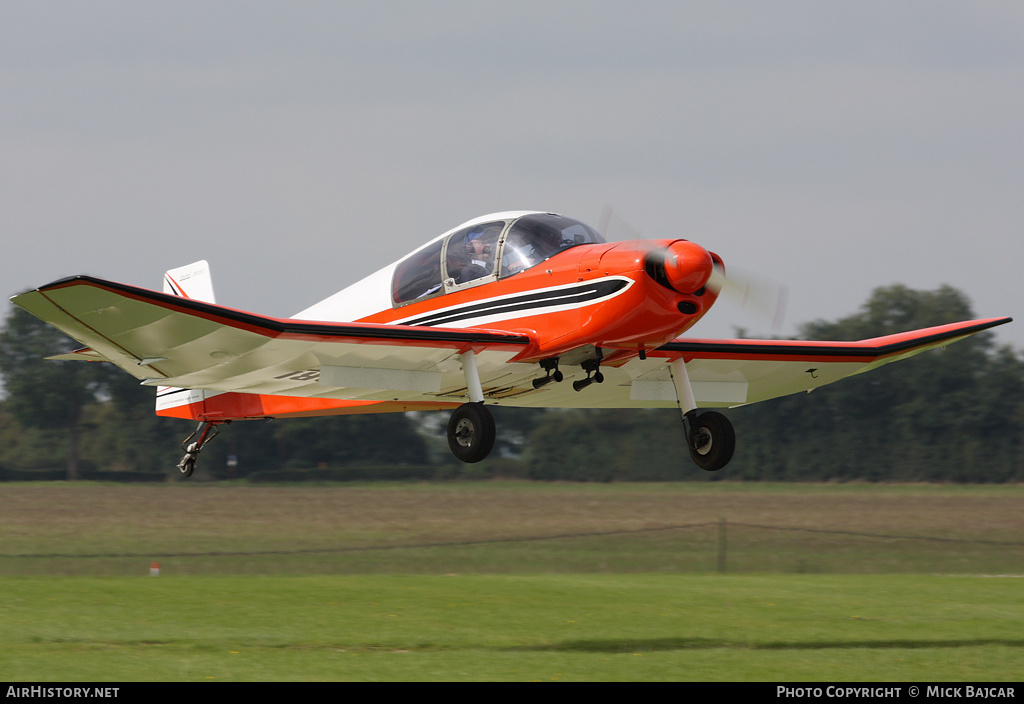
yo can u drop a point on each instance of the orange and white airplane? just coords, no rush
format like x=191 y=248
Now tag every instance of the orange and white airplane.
x=519 y=309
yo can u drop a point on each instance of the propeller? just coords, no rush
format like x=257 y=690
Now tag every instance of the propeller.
x=751 y=292
x=613 y=227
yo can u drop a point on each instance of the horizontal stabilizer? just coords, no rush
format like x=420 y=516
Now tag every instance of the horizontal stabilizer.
x=82 y=354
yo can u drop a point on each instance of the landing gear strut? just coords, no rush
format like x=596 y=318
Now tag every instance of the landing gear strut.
x=204 y=432
x=471 y=429
x=710 y=436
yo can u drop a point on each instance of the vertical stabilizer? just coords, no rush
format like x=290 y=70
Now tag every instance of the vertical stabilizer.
x=191 y=281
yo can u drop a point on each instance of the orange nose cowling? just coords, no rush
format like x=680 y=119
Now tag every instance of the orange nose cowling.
x=687 y=266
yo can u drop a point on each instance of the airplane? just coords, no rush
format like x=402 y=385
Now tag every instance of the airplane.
x=502 y=310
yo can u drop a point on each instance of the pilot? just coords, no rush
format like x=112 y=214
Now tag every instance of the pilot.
x=479 y=254
x=523 y=249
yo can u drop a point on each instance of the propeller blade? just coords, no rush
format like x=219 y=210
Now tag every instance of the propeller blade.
x=755 y=294
x=614 y=228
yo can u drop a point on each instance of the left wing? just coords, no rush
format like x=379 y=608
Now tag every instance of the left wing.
x=735 y=372
x=726 y=373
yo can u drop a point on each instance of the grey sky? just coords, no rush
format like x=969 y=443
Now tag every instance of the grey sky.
x=299 y=146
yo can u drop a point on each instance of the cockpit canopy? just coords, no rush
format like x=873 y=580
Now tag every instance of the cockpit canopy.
x=485 y=252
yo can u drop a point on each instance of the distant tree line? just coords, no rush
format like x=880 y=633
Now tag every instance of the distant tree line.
x=945 y=415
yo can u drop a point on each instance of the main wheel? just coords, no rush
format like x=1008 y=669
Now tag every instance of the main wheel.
x=471 y=432
x=720 y=441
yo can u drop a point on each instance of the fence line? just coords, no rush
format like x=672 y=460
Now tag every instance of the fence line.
x=720 y=524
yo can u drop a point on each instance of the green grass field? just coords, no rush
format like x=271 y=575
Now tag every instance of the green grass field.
x=502 y=627
x=511 y=581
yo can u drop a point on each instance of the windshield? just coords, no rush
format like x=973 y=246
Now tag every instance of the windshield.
x=468 y=257
x=478 y=254
x=419 y=275
x=534 y=238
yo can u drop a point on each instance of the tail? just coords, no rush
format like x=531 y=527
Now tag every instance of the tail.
x=190 y=281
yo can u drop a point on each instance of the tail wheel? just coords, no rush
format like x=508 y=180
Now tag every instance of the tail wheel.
x=187 y=466
x=712 y=441
x=471 y=432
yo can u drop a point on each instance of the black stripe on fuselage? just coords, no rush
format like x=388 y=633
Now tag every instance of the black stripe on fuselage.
x=573 y=295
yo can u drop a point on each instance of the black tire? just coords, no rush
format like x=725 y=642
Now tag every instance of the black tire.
x=721 y=441
x=471 y=432
x=188 y=465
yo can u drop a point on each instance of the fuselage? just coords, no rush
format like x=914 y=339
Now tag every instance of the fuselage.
x=622 y=297
x=551 y=279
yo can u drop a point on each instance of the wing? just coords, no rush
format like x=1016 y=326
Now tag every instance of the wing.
x=165 y=340
x=725 y=373
x=733 y=372
x=170 y=341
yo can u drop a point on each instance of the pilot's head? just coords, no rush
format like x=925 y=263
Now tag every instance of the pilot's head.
x=475 y=242
x=547 y=241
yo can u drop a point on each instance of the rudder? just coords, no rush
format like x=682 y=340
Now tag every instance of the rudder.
x=190 y=281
